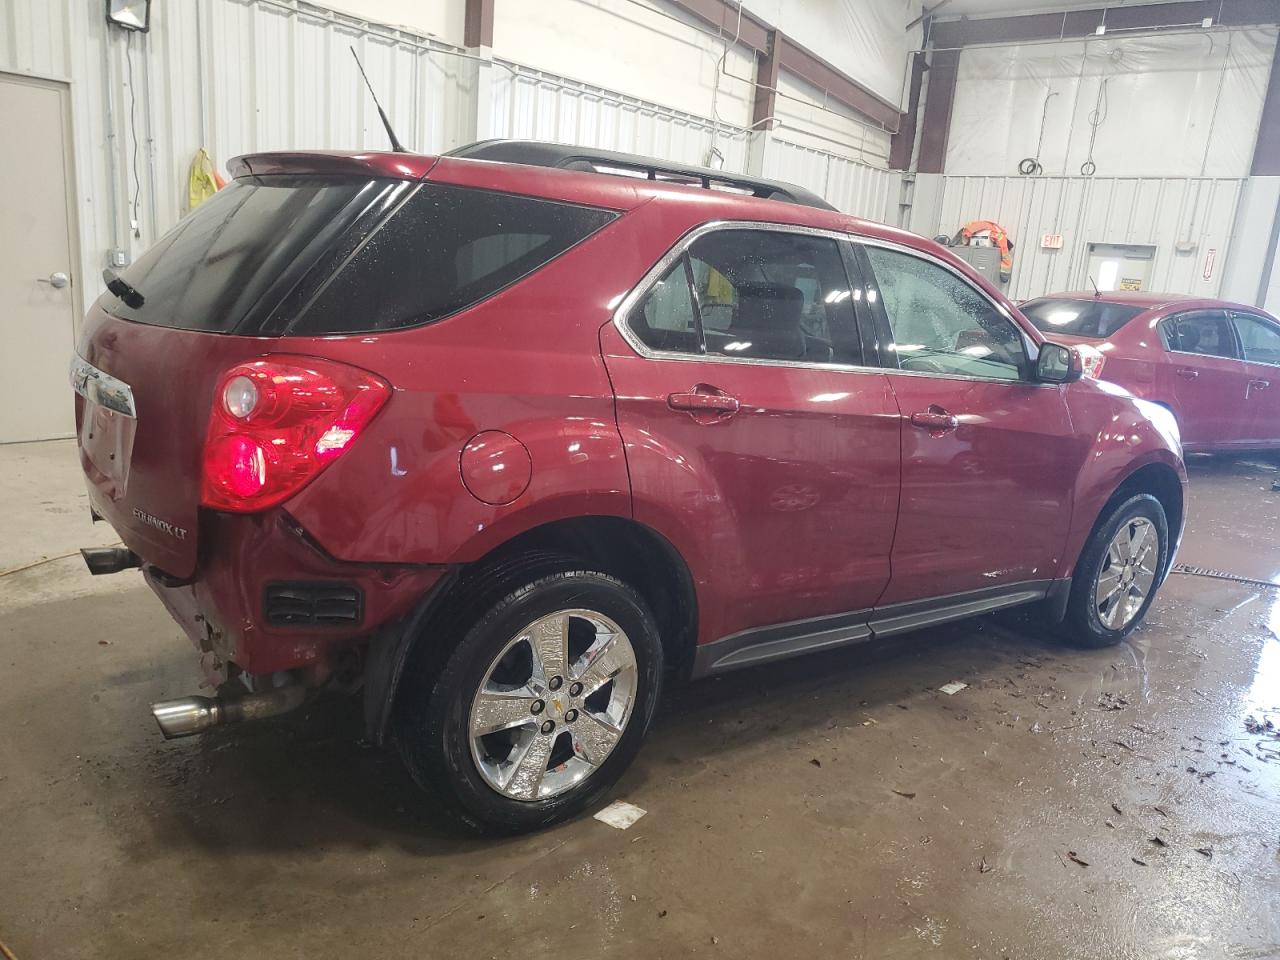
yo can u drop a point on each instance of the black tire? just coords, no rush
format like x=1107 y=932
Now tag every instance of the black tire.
x=434 y=700
x=1083 y=626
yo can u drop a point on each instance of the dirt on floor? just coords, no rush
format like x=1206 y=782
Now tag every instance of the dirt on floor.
x=1064 y=804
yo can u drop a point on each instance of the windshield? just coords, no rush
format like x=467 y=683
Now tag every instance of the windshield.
x=1079 y=318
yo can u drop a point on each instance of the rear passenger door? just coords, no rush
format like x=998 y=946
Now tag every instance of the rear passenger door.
x=1260 y=341
x=989 y=457
x=1206 y=377
x=756 y=439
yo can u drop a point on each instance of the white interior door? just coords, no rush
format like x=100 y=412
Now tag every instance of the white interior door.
x=37 y=271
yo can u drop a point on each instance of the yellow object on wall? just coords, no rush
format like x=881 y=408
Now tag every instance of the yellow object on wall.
x=204 y=180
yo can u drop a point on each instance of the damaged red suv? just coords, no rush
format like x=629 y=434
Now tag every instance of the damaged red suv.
x=500 y=439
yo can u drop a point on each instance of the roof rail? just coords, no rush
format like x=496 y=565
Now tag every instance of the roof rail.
x=566 y=157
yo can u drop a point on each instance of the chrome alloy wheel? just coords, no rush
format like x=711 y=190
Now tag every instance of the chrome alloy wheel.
x=1127 y=574
x=553 y=704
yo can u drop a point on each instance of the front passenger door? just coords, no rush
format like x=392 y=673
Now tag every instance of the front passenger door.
x=988 y=456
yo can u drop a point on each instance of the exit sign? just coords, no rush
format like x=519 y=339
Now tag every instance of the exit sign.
x=1051 y=241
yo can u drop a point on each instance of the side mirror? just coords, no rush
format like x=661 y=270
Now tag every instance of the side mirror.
x=1058 y=363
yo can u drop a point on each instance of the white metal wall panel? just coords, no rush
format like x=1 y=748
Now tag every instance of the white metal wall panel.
x=1162 y=213
x=535 y=105
x=237 y=76
x=851 y=187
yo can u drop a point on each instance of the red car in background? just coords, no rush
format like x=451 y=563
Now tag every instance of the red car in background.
x=1215 y=364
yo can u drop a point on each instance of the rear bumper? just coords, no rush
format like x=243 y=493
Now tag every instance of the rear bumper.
x=221 y=607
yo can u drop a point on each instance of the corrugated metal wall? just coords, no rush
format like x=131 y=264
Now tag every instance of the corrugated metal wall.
x=1158 y=212
x=856 y=188
x=237 y=76
x=533 y=104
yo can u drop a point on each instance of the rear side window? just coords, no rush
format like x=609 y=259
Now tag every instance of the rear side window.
x=221 y=260
x=1260 y=339
x=1207 y=333
x=754 y=294
x=774 y=296
x=665 y=318
x=443 y=250
x=1079 y=318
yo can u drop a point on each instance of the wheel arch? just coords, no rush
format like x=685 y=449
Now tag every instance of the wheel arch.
x=631 y=551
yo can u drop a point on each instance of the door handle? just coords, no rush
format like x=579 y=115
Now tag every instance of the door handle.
x=56 y=280
x=1260 y=384
x=936 y=420
x=1186 y=373
x=704 y=401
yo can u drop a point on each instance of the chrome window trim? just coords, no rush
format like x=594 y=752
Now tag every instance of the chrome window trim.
x=651 y=277
x=101 y=387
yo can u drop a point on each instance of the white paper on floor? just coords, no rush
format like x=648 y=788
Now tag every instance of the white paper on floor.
x=952 y=688
x=620 y=814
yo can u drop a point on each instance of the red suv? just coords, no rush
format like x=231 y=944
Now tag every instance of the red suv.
x=502 y=437
x=1215 y=364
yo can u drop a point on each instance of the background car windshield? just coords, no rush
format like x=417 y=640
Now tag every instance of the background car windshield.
x=1079 y=318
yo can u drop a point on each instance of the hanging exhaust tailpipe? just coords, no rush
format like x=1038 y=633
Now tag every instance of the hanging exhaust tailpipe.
x=188 y=716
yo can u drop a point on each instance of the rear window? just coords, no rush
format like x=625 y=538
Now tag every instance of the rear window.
x=443 y=250
x=311 y=255
x=222 y=260
x=1079 y=318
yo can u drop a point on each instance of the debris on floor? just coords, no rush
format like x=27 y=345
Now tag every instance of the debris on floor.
x=1265 y=725
x=620 y=814
x=952 y=688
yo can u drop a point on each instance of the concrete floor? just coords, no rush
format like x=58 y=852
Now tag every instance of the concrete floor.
x=837 y=805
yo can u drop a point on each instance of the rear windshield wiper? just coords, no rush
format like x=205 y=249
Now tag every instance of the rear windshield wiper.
x=122 y=289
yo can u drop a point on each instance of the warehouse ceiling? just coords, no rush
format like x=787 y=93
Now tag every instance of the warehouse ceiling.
x=981 y=8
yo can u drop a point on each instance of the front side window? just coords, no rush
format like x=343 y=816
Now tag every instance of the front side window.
x=1260 y=339
x=1206 y=332
x=941 y=323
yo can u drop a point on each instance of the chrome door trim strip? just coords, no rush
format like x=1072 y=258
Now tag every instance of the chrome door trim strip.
x=101 y=387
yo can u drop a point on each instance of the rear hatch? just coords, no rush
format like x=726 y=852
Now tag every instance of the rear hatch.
x=280 y=263
x=206 y=296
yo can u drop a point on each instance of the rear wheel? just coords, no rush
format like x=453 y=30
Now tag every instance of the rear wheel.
x=1118 y=573
x=541 y=705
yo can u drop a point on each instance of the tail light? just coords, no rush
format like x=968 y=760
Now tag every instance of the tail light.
x=277 y=423
x=1092 y=360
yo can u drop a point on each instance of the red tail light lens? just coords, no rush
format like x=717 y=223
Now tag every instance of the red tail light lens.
x=277 y=423
x=1092 y=360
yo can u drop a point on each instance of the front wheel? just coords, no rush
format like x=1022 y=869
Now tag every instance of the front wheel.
x=541 y=705
x=1118 y=573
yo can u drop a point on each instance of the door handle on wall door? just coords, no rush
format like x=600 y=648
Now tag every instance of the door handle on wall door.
x=56 y=280
x=1186 y=373
x=936 y=420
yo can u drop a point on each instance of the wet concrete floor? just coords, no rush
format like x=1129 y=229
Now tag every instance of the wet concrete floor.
x=831 y=806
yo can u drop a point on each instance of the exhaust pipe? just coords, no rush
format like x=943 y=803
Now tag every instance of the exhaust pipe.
x=102 y=560
x=188 y=716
